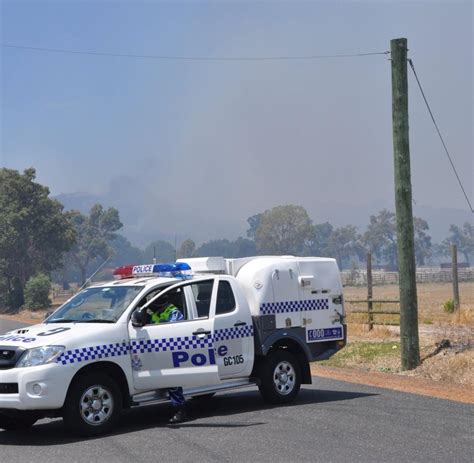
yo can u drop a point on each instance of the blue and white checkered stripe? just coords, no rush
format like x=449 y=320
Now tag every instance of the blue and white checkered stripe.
x=152 y=345
x=94 y=353
x=235 y=332
x=170 y=344
x=269 y=308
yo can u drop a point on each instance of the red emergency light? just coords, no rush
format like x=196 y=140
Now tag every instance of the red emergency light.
x=126 y=271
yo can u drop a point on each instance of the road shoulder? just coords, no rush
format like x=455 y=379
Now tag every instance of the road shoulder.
x=396 y=382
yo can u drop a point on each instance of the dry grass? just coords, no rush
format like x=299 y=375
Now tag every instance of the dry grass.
x=27 y=316
x=360 y=332
x=431 y=298
x=454 y=365
x=450 y=366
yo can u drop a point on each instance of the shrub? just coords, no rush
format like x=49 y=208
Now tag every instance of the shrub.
x=449 y=306
x=37 y=290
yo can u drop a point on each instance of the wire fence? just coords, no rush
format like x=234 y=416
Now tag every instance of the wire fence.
x=423 y=275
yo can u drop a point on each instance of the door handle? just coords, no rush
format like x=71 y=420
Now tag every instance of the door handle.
x=240 y=324
x=197 y=333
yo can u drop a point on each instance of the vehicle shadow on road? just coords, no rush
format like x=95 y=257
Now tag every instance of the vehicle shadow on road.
x=229 y=410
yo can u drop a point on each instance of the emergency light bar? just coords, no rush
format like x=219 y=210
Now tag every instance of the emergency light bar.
x=174 y=270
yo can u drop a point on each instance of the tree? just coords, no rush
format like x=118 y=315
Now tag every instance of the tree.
x=344 y=245
x=34 y=233
x=463 y=238
x=439 y=252
x=187 y=249
x=241 y=247
x=94 y=233
x=124 y=253
x=422 y=240
x=161 y=250
x=215 y=248
x=381 y=238
x=320 y=240
x=284 y=230
x=37 y=291
x=244 y=247
x=254 y=223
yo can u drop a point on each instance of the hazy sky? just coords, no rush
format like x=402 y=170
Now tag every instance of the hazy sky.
x=199 y=146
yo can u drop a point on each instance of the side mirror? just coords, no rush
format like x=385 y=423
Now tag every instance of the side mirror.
x=48 y=314
x=138 y=319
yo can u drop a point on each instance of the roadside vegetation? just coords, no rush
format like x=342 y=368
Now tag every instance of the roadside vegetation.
x=366 y=354
x=39 y=237
x=446 y=338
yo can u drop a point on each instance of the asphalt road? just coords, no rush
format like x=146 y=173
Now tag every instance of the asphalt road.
x=331 y=421
x=8 y=325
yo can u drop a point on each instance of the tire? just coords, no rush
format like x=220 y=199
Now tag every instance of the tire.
x=280 y=376
x=19 y=422
x=93 y=405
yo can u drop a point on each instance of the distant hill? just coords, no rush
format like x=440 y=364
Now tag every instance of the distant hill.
x=439 y=219
x=138 y=230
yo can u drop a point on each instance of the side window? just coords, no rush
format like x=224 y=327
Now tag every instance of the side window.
x=174 y=297
x=149 y=296
x=225 y=298
x=202 y=292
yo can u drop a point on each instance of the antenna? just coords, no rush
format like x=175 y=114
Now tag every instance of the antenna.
x=88 y=280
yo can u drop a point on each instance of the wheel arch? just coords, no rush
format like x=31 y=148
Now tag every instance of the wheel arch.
x=111 y=369
x=295 y=347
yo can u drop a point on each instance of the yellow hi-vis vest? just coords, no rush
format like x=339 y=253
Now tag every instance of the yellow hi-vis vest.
x=164 y=317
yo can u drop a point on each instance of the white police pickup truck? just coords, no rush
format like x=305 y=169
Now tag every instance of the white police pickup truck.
x=257 y=320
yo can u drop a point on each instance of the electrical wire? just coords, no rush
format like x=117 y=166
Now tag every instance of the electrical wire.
x=256 y=58
x=193 y=58
x=410 y=61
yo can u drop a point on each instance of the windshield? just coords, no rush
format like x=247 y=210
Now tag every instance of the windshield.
x=96 y=305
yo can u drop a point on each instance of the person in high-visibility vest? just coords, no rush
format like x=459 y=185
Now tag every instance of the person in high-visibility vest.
x=166 y=312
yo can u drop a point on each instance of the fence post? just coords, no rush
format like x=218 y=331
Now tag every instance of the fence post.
x=369 y=291
x=454 y=266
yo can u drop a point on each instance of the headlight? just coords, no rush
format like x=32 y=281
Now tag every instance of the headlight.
x=39 y=356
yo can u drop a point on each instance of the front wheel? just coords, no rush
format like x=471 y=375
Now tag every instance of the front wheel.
x=93 y=405
x=280 y=376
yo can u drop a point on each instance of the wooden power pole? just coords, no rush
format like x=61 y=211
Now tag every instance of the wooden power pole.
x=410 y=349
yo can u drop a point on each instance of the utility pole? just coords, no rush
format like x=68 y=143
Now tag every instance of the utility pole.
x=410 y=349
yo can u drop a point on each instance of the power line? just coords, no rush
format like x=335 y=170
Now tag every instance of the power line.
x=439 y=133
x=194 y=58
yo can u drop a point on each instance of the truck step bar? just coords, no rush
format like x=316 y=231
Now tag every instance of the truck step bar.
x=161 y=396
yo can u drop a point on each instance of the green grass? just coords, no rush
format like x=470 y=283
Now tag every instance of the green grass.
x=360 y=353
x=449 y=306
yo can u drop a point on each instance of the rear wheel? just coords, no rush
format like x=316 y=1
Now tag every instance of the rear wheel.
x=93 y=405
x=280 y=376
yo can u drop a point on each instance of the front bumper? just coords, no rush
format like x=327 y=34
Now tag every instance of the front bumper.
x=42 y=387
